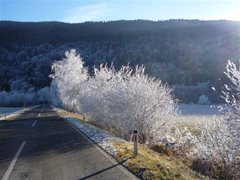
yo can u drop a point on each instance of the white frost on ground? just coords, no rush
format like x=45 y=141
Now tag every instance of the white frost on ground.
x=6 y=113
x=100 y=137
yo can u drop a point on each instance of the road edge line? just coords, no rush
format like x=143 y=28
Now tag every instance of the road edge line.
x=104 y=153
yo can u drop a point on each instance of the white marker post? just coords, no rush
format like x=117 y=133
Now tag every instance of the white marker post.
x=135 y=142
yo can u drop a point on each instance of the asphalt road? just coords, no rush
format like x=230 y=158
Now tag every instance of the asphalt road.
x=41 y=145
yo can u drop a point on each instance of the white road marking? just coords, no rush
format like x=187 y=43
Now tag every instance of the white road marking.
x=39 y=114
x=10 y=168
x=34 y=123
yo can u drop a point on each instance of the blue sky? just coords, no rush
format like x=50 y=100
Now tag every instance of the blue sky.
x=75 y=11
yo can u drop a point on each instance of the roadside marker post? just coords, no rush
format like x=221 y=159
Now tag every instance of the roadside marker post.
x=135 y=142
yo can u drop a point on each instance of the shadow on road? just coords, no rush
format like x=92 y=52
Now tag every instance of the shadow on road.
x=104 y=170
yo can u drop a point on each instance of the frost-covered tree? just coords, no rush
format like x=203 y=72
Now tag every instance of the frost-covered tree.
x=219 y=145
x=121 y=100
x=68 y=74
x=232 y=98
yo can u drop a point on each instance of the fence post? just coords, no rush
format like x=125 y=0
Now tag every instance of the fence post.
x=135 y=142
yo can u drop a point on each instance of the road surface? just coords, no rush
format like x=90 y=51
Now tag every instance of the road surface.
x=41 y=145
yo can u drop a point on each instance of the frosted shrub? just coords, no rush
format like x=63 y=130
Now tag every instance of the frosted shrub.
x=218 y=148
x=217 y=151
x=121 y=100
x=128 y=99
x=184 y=140
x=232 y=98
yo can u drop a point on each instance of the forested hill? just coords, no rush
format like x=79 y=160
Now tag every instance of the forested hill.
x=187 y=54
x=58 y=32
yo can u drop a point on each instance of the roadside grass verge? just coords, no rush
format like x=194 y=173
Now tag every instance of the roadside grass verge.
x=152 y=165
x=72 y=115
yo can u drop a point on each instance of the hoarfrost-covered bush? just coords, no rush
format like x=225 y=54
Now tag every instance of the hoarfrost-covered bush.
x=218 y=147
x=121 y=100
x=217 y=150
x=232 y=98
x=184 y=138
x=128 y=99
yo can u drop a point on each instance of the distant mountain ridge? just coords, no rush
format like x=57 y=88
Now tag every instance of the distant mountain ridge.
x=54 y=32
x=186 y=54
